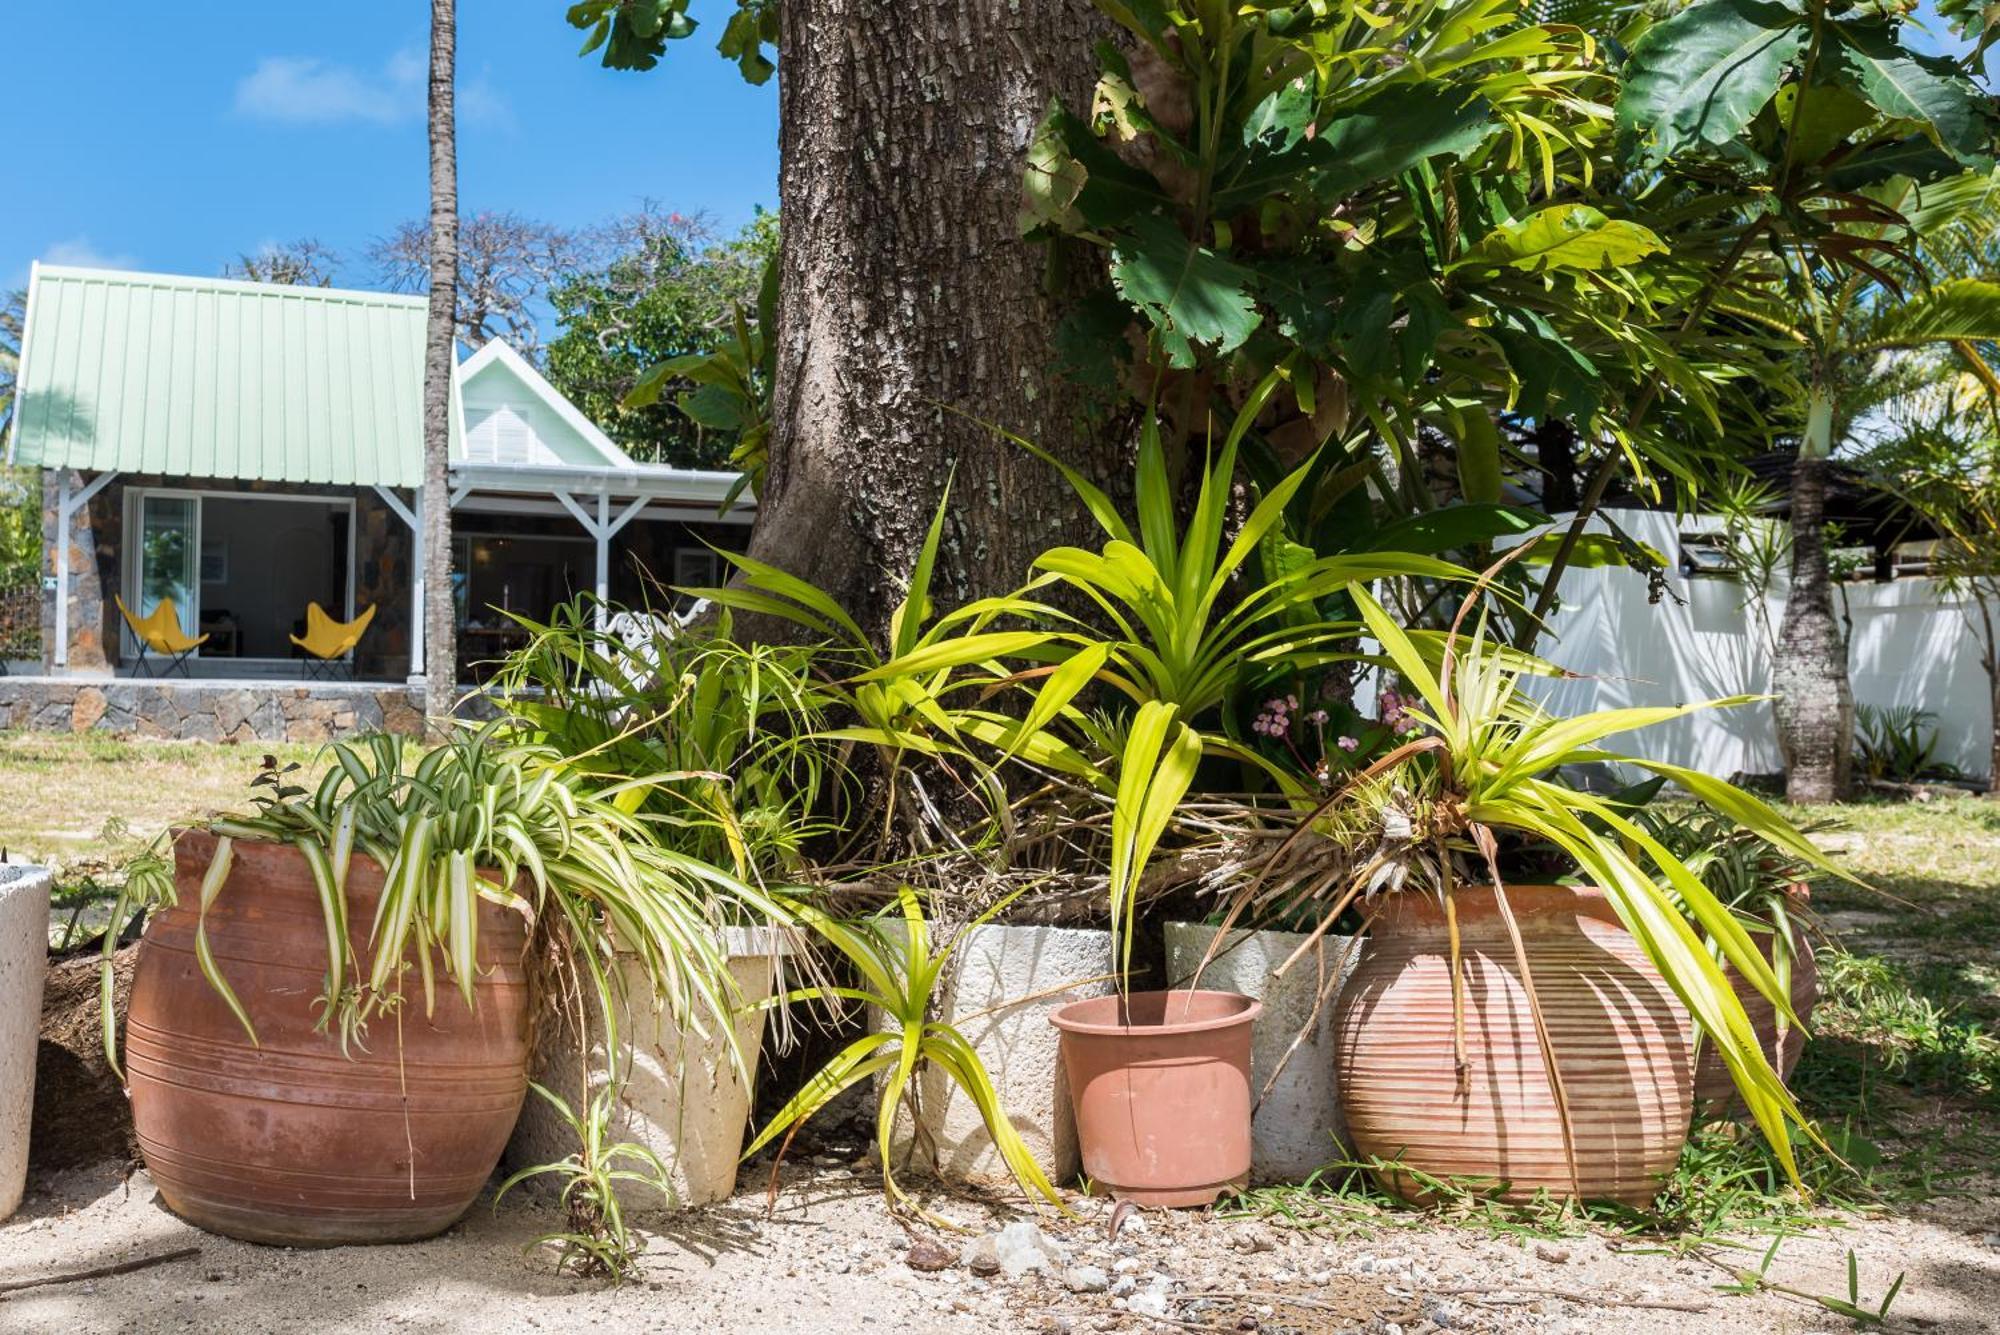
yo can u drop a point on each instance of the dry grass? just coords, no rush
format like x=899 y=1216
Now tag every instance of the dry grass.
x=73 y=799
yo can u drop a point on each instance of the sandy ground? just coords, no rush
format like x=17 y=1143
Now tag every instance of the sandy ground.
x=829 y=1259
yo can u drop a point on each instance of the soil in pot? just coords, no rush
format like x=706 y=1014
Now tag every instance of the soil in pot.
x=1161 y=1085
x=1297 y=1126
x=1622 y=1043
x=24 y=954
x=679 y=1094
x=1715 y=1095
x=289 y=1141
x=1000 y=988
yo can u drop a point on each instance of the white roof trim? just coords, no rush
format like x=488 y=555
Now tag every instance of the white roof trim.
x=499 y=350
x=694 y=486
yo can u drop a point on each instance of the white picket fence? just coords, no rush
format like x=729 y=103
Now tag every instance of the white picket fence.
x=1910 y=647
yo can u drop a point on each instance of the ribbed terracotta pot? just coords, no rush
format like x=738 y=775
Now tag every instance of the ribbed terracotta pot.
x=1714 y=1091
x=1161 y=1085
x=289 y=1141
x=1622 y=1043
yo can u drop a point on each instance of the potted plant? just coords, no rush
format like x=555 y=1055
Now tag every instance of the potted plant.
x=728 y=730
x=24 y=950
x=299 y=1070
x=1537 y=1037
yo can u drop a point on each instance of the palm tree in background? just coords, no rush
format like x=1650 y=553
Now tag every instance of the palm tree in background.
x=440 y=353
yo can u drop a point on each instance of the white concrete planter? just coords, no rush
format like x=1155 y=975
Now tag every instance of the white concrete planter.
x=682 y=1097
x=24 y=962
x=1298 y=1126
x=999 y=989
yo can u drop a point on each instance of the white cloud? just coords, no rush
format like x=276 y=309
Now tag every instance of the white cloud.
x=81 y=253
x=302 y=91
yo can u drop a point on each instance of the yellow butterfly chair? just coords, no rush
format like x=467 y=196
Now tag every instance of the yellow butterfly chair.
x=327 y=641
x=160 y=631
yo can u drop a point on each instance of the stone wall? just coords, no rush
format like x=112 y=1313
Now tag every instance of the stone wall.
x=232 y=711
x=382 y=543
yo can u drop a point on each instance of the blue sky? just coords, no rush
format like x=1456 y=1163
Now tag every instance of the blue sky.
x=174 y=136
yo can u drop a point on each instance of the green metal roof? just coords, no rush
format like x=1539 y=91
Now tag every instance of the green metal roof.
x=216 y=378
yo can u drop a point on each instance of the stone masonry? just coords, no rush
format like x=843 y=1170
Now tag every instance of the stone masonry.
x=231 y=711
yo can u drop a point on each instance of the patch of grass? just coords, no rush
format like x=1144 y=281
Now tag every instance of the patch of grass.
x=86 y=803
x=72 y=798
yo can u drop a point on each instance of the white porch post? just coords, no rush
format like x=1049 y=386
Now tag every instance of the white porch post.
x=603 y=528
x=67 y=504
x=412 y=515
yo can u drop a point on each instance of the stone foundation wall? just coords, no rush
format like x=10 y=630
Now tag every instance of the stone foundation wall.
x=219 y=711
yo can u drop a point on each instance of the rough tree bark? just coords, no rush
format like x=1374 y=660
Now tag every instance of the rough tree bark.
x=907 y=293
x=440 y=625
x=1815 y=703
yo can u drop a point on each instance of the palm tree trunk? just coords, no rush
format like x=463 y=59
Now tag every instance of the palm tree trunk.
x=1815 y=704
x=440 y=354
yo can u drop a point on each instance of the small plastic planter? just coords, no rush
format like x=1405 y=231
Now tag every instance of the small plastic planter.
x=1161 y=1085
x=24 y=962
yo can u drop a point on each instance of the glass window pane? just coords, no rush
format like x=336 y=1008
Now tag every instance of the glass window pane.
x=167 y=556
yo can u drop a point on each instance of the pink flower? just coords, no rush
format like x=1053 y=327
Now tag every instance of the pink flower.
x=1347 y=744
x=1317 y=716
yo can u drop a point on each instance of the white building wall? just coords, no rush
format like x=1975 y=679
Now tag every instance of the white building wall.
x=1909 y=647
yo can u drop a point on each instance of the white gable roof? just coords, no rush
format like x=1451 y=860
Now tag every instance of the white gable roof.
x=555 y=414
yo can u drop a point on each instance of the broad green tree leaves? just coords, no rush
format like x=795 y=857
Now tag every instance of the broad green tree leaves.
x=1699 y=77
x=1566 y=236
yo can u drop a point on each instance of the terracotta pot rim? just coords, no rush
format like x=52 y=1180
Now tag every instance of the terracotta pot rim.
x=1248 y=1010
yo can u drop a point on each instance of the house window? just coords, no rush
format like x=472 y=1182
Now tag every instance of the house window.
x=506 y=435
x=696 y=567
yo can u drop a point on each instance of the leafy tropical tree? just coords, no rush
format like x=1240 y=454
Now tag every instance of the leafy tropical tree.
x=649 y=319
x=13 y=315
x=1826 y=147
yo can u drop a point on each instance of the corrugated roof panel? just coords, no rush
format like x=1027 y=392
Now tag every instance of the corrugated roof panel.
x=218 y=378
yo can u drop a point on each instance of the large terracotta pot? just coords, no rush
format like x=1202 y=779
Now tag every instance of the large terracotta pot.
x=1622 y=1043
x=1161 y=1084
x=289 y=1141
x=1714 y=1091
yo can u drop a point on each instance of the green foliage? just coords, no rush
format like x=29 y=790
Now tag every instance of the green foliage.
x=598 y=1242
x=1898 y=744
x=633 y=34
x=1489 y=758
x=898 y=969
x=477 y=818
x=660 y=348
x=729 y=729
x=1699 y=78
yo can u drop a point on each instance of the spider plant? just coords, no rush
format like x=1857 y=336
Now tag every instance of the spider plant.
x=478 y=818
x=730 y=729
x=1488 y=760
x=898 y=971
x=598 y=1242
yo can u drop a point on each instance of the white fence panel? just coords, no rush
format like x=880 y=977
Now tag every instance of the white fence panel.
x=1909 y=647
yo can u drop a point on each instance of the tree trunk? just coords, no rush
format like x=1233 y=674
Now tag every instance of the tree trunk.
x=440 y=356
x=1993 y=712
x=1815 y=705
x=908 y=294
